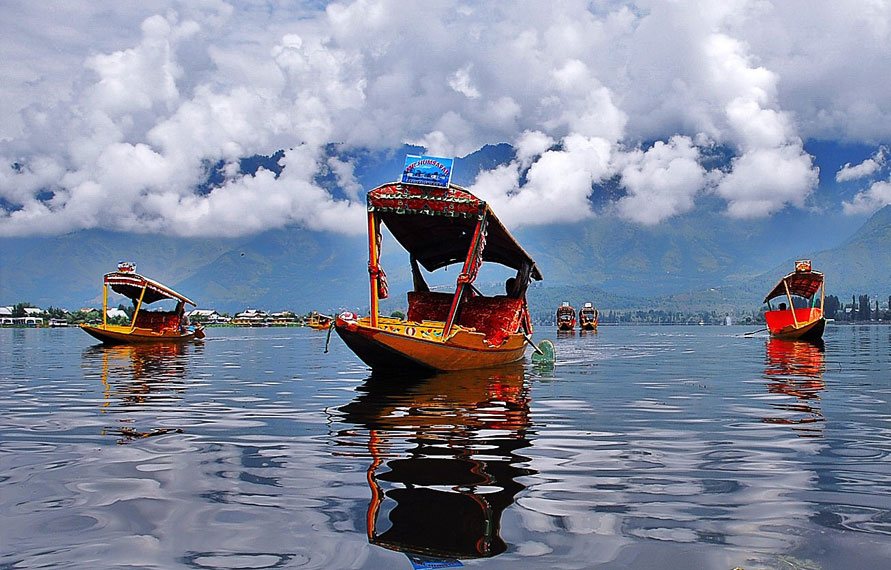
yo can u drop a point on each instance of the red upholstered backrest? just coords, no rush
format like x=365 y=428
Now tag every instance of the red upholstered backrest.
x=157 y=320
x=496 y=317
x=428 y=306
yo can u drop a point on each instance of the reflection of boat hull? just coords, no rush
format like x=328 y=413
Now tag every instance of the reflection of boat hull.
x=112 y=334
x=810 y=328
x=418 y=348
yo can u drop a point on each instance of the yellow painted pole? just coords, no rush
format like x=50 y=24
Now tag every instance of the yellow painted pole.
x=791 y=304
x=138 y=306
x=104 y=305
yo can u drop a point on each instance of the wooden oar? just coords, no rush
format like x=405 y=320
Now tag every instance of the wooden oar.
x=754 y=332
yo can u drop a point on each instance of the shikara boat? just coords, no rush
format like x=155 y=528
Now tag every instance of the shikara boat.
x=439 y=226
x=145 y=326
x=803 y=317
x=319 y=321
x=588 y=317
x=565 y=317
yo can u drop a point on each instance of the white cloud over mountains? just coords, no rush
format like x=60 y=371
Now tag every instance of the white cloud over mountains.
x=117 y=109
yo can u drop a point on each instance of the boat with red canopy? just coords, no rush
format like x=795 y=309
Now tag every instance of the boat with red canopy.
x=439 y=226
x=803 y=317
x=145 y=326
x=565 y=317
x=588 y=317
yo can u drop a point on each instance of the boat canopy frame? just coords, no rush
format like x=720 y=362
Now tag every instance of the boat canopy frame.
x=439 y=227
x=803 y=282
x=140 y=290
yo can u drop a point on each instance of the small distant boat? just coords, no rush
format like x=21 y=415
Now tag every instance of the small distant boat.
x=145 y=326
x=794 y=321
x=565 y=317
x=588 y=317
x=319 y=321
x=439 y=226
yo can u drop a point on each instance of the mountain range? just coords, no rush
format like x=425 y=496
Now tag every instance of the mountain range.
x=700 y=260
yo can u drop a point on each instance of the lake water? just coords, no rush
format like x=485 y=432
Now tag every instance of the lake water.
x=644 y=447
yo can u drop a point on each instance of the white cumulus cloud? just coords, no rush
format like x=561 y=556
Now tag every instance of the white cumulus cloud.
x=116 y=111
x=866 y=168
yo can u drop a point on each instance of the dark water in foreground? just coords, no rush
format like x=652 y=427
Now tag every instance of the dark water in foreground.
x=645 y=447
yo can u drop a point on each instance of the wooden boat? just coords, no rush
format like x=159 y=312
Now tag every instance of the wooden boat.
x=565 y=317
x=319 y=321
x=588 y=317
x=145 y=326
x=439 y=226
x=802 y=318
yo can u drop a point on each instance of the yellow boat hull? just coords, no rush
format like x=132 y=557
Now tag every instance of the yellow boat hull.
x=115 y=334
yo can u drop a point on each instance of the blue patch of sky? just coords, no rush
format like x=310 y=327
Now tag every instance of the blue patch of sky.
x=215 y=176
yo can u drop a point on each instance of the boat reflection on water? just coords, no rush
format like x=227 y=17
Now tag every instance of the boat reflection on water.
x=795 y=368
x=443 y=460
x=135 y=376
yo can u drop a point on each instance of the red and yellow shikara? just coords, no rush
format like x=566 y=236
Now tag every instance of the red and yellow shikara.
x=565 y=317
x=319 y=321
x=145 y=326
x=442 y=331
x=797 y=322
x=588 y=317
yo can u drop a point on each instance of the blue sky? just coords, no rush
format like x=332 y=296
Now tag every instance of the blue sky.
x=114 y=110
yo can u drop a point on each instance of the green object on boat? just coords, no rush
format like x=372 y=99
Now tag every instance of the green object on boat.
x=544 y=353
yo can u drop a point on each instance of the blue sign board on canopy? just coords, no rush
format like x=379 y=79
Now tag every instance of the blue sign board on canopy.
x=427 y=171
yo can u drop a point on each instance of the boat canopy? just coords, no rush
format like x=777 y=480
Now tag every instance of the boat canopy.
x=802 y=283
x=436 y=226
x=130 y=285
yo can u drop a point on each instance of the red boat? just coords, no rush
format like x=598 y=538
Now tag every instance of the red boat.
x=442 y=331
x=803 y=317
x=588 y=317
x=145 y=326
x=565 y=317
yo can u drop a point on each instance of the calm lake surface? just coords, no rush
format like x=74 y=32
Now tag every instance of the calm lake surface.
x=644 y=447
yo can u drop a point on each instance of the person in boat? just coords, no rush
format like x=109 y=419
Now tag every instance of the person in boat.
x=183 y=317
x=782 y=306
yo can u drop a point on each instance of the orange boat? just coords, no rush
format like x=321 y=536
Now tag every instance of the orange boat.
x=802 y=318
x=565 y=317
x=439 y=226
x=319 y=321
x=145 y=326
x=588 y=317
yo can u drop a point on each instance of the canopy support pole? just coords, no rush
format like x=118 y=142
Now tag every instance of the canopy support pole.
x=372 y=265
x=466 y=277
x=791 y=304
x=138 y=306
x=105 y=306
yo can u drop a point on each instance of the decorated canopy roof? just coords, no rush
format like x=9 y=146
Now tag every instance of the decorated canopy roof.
x=802 y=283
x=130 y=285
x=436 y=225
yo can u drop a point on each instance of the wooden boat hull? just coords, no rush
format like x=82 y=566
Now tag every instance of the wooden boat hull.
x=566 y=326
x=811 y=331
x=810 y=324
x=415 y=347
x=113 y=334
x=588 y=326
x=319 y=326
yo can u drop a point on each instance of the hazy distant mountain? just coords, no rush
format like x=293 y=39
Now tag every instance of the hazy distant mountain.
x=702 y=258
